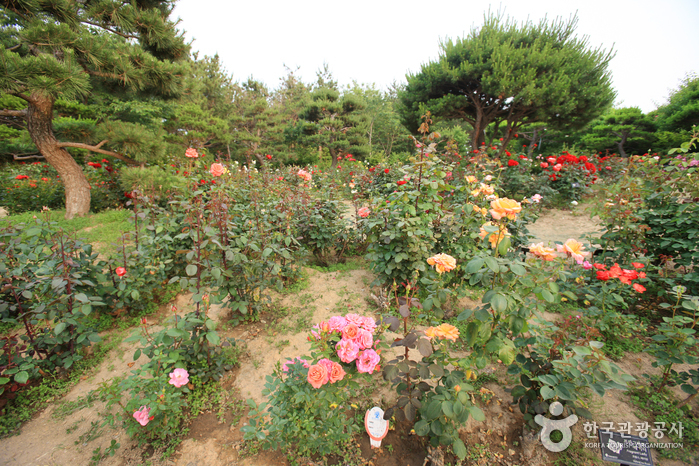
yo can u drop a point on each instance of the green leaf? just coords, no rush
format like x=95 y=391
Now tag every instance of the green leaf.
x=22 y=377
x=191 y=270
x=459 y=448
x=59 y=328
x=518 y=270
x=447 y=409
x=213 y=338
x=499 y=303
x=422 y=428
x=476 y=413
x=434 y=409
x=137 y=354
x=546 y=294
x=474 y=265
x=492 y=264
x=547 y=392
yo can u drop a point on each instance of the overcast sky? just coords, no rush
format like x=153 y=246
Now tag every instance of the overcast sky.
x=380 y=41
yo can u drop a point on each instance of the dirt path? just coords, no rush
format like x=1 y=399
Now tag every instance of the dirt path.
x=560 y=225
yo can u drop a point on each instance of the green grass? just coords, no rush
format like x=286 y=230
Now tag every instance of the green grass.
x=661 y=406
x=104 y=228
x=352 y=263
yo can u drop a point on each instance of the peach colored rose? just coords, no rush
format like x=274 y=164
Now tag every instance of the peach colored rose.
x=217 y=169
x=471 y=179
x=317 y=375
x=573 y=249
x=542 y=252
x=431 y=332
x=336 y=372
x=364 y=212
x=191 y=153
x=350 y=331
x=442 y=263
x=487 y=189
x=505 y=207
x=447 y=331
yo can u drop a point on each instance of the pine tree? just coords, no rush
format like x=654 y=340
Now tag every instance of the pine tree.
x=335 y=123
x=507 y=75
x=55 y=49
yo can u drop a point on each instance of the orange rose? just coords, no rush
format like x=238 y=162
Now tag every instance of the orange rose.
x=442 y=263
x=350 y=332
x=447 y=331
x=431 y=332
x=496 y=237
x=505 y=208
x=317 y=374
x=487 y=189
x=539 y=250
x=336 y=372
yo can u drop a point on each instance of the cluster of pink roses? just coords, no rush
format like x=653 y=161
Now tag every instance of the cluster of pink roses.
x=356 y=344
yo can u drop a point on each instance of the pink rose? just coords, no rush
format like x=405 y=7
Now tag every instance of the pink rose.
x=337 y=323
x=289 y=362
x=347 y=350
x=355 y=319
x=365 y=339
x=179 y=377
x=217 y=169
x=336 y=372
x=317 y=374
x=328 y=365
x=557 y=167
x=369 y=324
x=367 y=361
x=364 y=212
x=142 y=415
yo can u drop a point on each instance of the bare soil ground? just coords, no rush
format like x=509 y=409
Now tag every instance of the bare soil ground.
x=57 y=437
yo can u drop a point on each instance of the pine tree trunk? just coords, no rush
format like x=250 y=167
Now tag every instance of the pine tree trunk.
x=39 y=118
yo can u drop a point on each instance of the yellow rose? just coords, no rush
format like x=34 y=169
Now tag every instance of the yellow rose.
x=505 y=207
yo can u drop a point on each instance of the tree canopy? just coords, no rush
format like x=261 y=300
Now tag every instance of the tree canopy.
x=622 y=130
x=65 y=49
x=682 y=109
x=505 y=75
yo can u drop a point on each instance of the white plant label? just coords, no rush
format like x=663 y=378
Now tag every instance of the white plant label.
x=376 y=426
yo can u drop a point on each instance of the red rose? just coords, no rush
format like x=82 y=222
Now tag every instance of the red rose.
x=512 y=163
x=121 y=271
x=386 y=171
x=602 y=275
x=401 y=182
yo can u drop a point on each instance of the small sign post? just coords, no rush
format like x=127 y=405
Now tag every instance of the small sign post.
x=376 y=426
x=625 y=449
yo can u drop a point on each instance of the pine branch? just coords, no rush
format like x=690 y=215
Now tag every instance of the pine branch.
x=26 y=156
x=113 y=31
x=91 y=148
x=13 y=113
